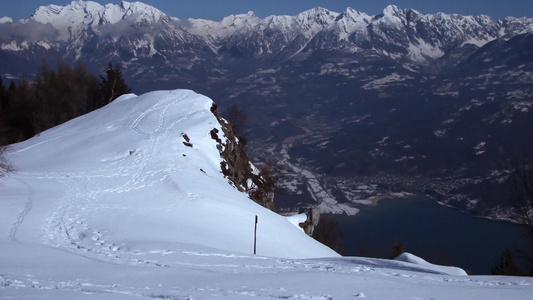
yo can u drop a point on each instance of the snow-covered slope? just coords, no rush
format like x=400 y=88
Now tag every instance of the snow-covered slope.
x=123 y=174
x=113 y=205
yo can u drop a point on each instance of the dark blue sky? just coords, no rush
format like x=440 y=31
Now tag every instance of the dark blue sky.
x=217 y=9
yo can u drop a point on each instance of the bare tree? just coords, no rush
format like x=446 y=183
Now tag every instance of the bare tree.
x=521 y=186
x=238 y=120
x=5 y=167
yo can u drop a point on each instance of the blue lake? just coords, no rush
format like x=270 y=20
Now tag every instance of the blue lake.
x=439 y=234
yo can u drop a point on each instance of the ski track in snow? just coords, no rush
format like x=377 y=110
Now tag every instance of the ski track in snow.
x=227 y=265
x=176 y=293
x=25 y=211
x=143 y=159
x=67 y=227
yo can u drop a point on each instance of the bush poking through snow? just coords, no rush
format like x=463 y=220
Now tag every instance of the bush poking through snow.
x=5 y=167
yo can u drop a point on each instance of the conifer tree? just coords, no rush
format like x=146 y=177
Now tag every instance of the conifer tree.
x=4 y=127
x=397 y=250
x=113 y=85
x=506 y=266
x=3 y=96
x=54 y=97
x=22 y=108
x=12 y=87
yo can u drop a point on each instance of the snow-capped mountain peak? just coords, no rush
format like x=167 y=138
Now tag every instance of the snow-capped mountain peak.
x=428 y=36
x=392 y=16
x=392 y=10
x=76 y=12
x=356 y=15
x=237 y=22
x=79 y=14
x=143 y=11
x=134 y=27
x=317 y=16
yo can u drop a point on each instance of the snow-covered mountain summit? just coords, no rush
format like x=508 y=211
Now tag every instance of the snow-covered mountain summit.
x=142 y=168
x=89 y=12
x=81 y=14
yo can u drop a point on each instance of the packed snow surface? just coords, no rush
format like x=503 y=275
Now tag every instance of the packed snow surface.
x=113 y=205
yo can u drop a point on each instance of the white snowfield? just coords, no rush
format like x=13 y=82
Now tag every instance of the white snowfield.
x=113 y=205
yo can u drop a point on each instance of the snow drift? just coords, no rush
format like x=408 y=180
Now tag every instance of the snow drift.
x=410 y=258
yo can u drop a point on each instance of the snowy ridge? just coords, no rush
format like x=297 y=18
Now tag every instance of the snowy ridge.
x=128 y=162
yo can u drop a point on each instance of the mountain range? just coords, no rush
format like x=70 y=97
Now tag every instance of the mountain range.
x=136 y=30
x=349 y=106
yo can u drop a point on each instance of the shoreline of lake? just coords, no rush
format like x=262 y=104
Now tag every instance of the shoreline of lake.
x=438 y=233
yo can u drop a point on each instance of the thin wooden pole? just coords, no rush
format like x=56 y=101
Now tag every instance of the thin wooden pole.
x=255 y=236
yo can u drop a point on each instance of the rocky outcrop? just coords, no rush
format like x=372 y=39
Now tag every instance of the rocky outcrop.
x=236 y=166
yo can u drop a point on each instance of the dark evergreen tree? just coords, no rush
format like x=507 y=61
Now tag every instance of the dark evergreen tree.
x=54 y=97
x=3 y=96
x=11 y=89
x=397 y=250
x=113 y=85
x=521 y=192
x=4 y=127
x=506 y=266
x=7 y=133
x=48 y=96
x=22 y=108
x=88 y=87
